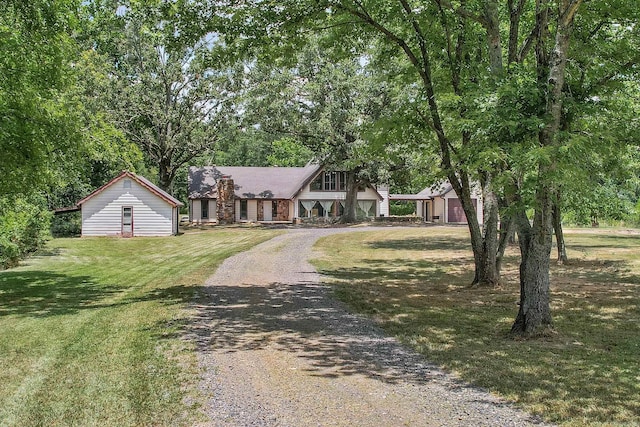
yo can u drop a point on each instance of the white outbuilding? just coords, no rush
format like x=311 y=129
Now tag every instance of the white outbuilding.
x=129 y=205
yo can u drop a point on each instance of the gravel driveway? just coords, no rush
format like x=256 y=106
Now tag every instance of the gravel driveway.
x=277 y=350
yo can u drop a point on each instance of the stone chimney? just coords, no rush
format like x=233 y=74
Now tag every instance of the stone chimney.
x=226 y=200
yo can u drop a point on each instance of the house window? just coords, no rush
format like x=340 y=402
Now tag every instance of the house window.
x=274 y=209
x=329 y=181
x=316 y=184
x=127 y=183
x=319 y=208
x=243 y=209
x=342 y=181
x=204 y=208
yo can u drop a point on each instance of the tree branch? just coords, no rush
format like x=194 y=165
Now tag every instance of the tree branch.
x=464 y=12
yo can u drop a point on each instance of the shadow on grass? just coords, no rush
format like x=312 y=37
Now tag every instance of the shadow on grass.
x=585 y=372
x=41 y=293
x=430 y=243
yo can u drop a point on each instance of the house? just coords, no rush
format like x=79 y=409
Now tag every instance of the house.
x=440 y=203
x=129 y=205
x=229 y=194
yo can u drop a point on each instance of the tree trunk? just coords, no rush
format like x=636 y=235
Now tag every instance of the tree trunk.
x=483 y=240
x=165 y=176
x=351 y=199
x=534 y=314
x=487 y=272
x=557 y=228
x=507 y=230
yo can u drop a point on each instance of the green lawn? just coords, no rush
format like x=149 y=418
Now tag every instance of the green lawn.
x=414 y=283
x=90 y=330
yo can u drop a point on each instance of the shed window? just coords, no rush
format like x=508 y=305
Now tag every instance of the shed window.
x=204 y=208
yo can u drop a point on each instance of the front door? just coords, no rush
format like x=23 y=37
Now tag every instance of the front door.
x=127 y=221
x=267 y=209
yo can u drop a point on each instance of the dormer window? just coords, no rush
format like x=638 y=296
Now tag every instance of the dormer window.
x=329 y=181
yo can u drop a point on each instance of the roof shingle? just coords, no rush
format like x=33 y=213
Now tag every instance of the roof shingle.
x=250 y=182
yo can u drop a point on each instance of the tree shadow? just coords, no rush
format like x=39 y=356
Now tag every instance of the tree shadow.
x=431 y=243
x=305 y=319
x=42 y=293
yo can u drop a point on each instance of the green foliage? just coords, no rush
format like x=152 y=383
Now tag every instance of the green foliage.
x=24 y=228
x=39 y=132
x=319 y=99
x=402 y=208
x=289 y=152
x=66 y=225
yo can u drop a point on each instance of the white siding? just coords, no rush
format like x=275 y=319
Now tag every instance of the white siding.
x=152 y=216
x=383 y=206
x=196 y=211
x=439 y=210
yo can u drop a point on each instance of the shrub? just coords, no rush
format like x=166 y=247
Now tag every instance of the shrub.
x=402 y=208
x=24 y=228
x=66 y=225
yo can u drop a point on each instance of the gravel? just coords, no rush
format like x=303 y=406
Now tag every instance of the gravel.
x=276 y=349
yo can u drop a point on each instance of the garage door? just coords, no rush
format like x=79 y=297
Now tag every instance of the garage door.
x=455 y=212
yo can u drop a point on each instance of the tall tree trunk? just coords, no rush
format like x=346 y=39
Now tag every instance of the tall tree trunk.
x=534 y=314
x=557 y=228
x=351 y=199
x=487 y=272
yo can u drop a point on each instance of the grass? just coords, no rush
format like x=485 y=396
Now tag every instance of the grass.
x=414 y=283
x=90 y=330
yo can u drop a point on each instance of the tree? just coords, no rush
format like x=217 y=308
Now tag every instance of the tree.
x=164 y=96
x=289 y=152
x=38 y=120
x=40 y=135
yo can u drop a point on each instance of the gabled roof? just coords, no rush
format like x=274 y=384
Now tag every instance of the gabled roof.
x=437 y=190
x=251 y=182
x=140 y=180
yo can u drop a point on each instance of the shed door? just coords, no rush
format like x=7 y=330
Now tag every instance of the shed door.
x=455 y=212
x=127 y=221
